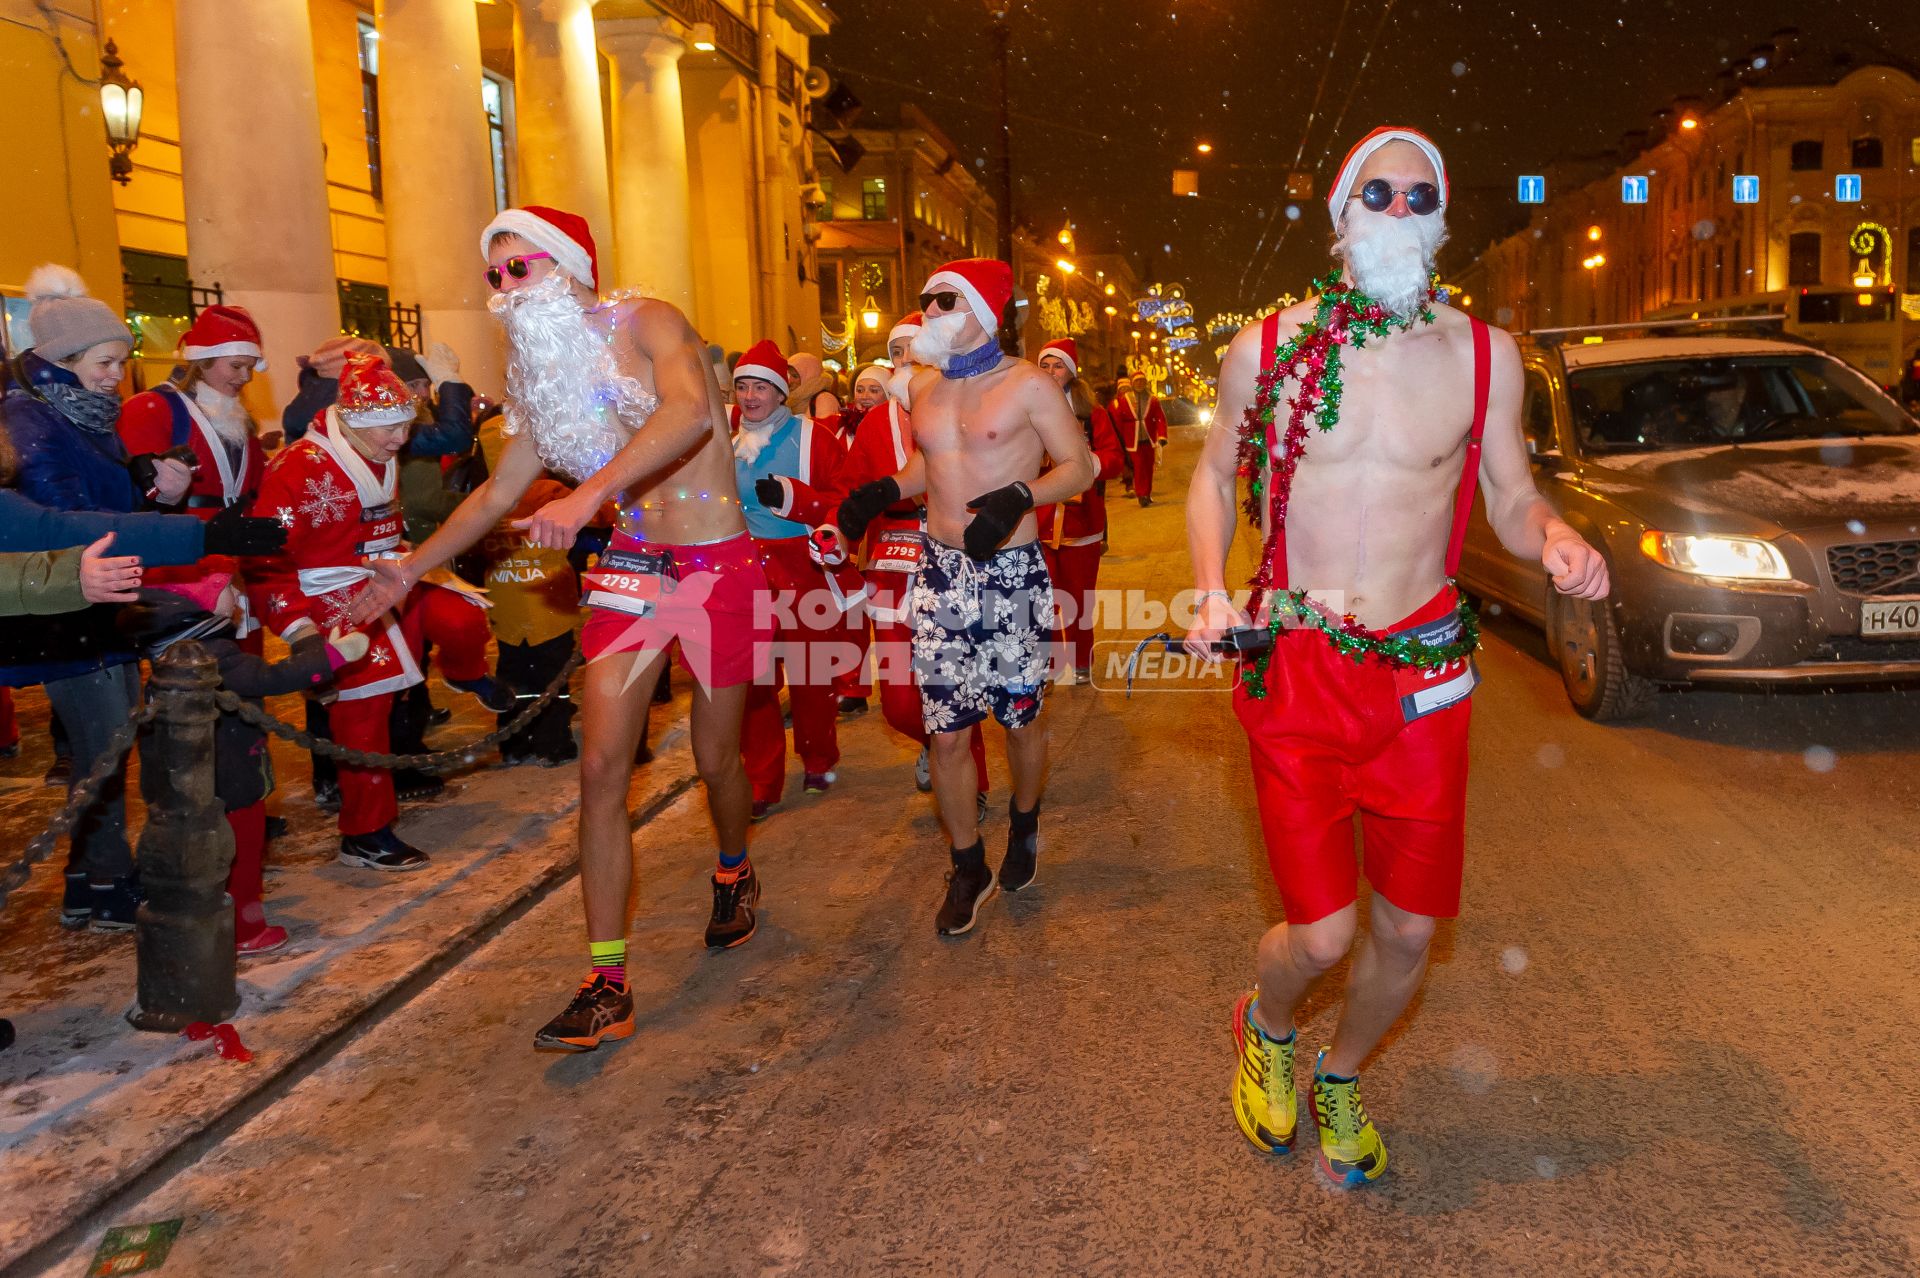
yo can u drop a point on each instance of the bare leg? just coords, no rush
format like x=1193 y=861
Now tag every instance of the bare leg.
x=955 y=783
x=1385 y=974
x=613 y=715
x=1291 y=957
x=1027 y=758
x=716 y=717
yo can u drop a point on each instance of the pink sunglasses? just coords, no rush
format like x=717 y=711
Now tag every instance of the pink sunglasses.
x=516 y=267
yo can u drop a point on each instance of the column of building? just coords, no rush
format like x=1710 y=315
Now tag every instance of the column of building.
x=561 y=143
x=437 y=171
x=256 y=216
x=652 y=203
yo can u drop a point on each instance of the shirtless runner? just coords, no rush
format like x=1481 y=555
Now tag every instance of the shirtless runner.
x=981 y=606
x=1362 y=704
x=585 y=376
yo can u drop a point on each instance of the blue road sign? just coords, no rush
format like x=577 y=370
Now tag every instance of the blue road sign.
x=1633 y=190
x=1533 y=190
x=1746 y=188
x=1846 y=188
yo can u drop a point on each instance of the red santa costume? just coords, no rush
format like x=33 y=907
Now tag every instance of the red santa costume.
x=341 y=512
x=803 y=460
x=882 y=446
x=229 y=462
x=1142 y=426
x=1071 y=533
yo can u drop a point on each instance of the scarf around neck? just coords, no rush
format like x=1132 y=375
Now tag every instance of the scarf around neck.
x=975 y=362
x=751 y=438
x=95 y=412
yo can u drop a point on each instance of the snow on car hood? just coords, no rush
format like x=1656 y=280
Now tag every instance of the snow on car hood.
x=1791 y=483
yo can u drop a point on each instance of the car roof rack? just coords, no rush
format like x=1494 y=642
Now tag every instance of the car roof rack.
x=1704 y=326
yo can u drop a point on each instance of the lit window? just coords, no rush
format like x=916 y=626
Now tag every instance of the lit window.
x=494 y=96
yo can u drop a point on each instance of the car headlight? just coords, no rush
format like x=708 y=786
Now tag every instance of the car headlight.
x=1731 y=558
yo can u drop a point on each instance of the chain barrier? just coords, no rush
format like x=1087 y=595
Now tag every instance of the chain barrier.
x=437 y=761
x=78 y=798
x=83 y=794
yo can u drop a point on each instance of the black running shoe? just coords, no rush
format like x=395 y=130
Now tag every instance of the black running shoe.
x=114 y=905
x=1022 y=859
x=326 y=796
x=276 y=828
x=733 y=921
x=60 y=771
x=76 y=906
x=599 y=1010
x=852 y=706
x=969 y=884
x=381 y=850
x=437 y=715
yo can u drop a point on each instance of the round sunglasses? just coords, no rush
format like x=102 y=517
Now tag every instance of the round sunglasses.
x=1422 y=197
x=516 y=267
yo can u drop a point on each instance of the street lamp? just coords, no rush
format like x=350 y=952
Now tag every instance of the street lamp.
x=1593 y=233
x=1002 y=36
x=870 y=314
x=121 y=104
x=1593 y=265
x=1863 y=274
x=1205 y=148
x=1066 y=267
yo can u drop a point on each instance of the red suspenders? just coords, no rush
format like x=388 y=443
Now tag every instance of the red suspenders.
x=1470 y=474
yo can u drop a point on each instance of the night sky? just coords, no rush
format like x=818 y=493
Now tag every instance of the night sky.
x=1110 y=95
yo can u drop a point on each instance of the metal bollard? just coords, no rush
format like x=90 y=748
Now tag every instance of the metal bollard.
x=184 y=930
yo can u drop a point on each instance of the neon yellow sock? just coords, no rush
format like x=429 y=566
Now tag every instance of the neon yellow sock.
x=609 y=960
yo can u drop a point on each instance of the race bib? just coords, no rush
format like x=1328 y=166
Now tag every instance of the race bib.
x=898 y=550
x=1426 y=689
x=630 y=581
x=380 y=527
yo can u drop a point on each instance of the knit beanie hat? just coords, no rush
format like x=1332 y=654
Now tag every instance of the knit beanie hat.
x=63 y=320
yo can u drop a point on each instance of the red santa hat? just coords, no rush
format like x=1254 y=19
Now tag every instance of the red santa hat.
x=1342 y=188
x=908 y=327
x=764 y=361
x=985 y=282
x=1065 y=349
x=564 y=235
x=223 y=330
x=372 y=394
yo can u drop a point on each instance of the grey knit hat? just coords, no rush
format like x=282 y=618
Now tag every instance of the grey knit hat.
x=63 y=320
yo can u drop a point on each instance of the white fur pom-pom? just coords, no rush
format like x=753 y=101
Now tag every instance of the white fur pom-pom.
x=54 y=280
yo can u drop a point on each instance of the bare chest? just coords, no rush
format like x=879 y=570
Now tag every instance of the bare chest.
x=1406 y=406
x=966 y=417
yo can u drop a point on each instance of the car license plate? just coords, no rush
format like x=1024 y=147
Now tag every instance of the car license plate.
x=1890 y=619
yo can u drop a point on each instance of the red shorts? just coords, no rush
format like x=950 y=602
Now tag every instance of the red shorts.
x=709 y=606
x=1330 y=740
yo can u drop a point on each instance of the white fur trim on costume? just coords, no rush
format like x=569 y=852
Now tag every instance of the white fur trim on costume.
x=762 y=372
x=1342 y=188
x=226 y=348
x=964 y=287
x=569 y=256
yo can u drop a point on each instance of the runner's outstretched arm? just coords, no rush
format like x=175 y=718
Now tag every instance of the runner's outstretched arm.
x=1210 y=497
x=471 y=520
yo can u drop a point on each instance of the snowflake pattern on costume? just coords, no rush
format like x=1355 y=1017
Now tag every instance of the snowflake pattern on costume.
x=334 y=607
x=326 y=501
x=285 y=515
x=380 y=656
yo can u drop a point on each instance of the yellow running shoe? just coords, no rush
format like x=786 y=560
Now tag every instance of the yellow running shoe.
x=1351 y=1151
x=1264 y=1101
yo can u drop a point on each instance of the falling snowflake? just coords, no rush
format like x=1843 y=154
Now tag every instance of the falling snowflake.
x=326 y=501
x=285 y=515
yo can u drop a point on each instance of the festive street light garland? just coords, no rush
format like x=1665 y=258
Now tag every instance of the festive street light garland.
x=1344 y=316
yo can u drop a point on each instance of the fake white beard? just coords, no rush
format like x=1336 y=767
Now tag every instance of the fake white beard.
x=563 y=383
x=900 y=384
x=1391 y=258
x=225 y=414
x=937 y=342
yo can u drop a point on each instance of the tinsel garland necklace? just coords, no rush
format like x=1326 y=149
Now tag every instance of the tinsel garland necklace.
x=1344 y=316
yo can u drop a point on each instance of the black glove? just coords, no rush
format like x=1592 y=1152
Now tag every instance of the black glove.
x=770 y=492
x=998 y=515
x=863 y=505
x=144 y=466
x=233 y=532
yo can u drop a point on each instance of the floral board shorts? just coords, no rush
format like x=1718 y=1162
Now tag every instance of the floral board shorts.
x=980 y=635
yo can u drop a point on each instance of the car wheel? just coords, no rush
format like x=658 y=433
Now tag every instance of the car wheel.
x=1586 y=646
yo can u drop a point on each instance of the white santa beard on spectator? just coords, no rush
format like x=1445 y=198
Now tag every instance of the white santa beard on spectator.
x=563 y=383
x=1391 y=258
x=224 y=413
x=937 y=341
